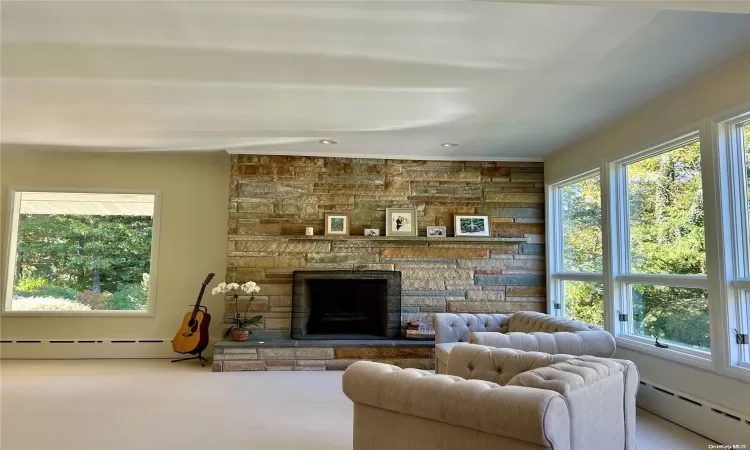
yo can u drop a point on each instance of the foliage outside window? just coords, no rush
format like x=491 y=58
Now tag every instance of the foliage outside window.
x=666 y=213
x=667 y=237
x=81 y=251
x=581 y=222
x=584 y=301
x=673 y=313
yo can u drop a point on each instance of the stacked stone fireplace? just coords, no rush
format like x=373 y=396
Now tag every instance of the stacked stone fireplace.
x=274 y=198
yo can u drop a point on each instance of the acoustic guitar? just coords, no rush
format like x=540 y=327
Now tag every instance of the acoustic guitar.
x=192 y=337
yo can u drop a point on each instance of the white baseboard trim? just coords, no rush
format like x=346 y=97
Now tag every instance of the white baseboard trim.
x=92 y=349
x=701 y=416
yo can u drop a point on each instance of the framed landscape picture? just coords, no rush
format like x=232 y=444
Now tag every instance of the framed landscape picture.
x=337 y=224
x=401 y=222
x=436 y=232
x=476 y=226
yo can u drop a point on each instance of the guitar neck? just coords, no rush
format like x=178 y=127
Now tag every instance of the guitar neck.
x=200 y=295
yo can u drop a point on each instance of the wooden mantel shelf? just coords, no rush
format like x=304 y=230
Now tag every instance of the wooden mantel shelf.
x=236 y=237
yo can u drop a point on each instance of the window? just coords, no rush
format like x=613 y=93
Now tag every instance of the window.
x=656 y=257
x=81 y=252
x=737 y=247
x=662 y=281
x=576 y=262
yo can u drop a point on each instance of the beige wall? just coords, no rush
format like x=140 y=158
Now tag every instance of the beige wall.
x=721 y=88
x=195 y=196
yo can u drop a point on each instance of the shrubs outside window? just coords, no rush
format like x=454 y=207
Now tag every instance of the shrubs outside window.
x=80 y=251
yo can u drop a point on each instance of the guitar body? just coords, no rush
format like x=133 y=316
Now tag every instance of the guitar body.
x=192 y=338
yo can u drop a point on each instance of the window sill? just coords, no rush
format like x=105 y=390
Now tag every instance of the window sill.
x=675 y=354
x=739 y=372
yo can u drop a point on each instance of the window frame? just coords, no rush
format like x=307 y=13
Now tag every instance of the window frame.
x=733 y=234
x=556 y=276
x=623 y=279
x=12 y=241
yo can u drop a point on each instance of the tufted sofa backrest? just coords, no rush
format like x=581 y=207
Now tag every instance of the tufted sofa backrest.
x=498 y=365
x=531 y=321
x=568 y=375
x=457 y=327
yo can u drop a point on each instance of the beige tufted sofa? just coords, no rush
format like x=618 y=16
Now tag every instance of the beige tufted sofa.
x=495 y=399
x=525 y=330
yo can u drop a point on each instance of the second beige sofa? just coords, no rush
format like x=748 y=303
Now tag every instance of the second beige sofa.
x=525 y=330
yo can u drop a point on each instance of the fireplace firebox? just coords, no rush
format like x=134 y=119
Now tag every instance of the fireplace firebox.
x=345 y=304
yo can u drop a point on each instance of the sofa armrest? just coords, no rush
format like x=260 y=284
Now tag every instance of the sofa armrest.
x=451 y=327
x=595 y=343
x=540 y=417
x=600 y=394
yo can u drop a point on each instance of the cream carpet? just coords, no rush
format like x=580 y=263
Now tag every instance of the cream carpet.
x=155 y=405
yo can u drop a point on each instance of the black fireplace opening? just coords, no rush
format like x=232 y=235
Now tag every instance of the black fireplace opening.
x=346 y=305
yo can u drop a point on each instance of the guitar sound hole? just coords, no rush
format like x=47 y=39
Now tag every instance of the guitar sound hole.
x=191 y=324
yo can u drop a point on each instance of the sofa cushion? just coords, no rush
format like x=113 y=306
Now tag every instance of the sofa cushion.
x=568 y=375
x=498 y=365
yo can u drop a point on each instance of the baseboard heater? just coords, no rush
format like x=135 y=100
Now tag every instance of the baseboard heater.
x=701 y=416
x=86 y=348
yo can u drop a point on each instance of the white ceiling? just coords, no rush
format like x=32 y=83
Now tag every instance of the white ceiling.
x=393 y=79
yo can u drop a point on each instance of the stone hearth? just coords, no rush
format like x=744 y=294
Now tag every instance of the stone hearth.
x=327 y=354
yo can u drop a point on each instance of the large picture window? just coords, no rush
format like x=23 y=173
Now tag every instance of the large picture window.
x=81 y=252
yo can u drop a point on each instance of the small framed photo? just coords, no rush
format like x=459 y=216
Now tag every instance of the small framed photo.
x=477 y=226
x=337 y=224
x=436 y=232
x=372 y=231
x=401 y=222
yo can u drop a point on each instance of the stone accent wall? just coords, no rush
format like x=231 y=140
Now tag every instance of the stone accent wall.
x=273 y=199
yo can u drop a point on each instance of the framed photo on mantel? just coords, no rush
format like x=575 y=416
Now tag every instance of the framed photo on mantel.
x=401 y=222
x=337 y=224
x=436 y=232
x=476 y=226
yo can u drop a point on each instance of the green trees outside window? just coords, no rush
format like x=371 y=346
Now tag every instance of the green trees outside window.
x=582 y=228
x=93 y=252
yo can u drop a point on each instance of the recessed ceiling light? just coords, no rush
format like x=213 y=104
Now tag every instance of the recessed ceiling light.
x=328 y=141
x=449 y=144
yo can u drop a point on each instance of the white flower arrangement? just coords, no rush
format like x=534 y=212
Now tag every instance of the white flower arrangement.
x=223 y=288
